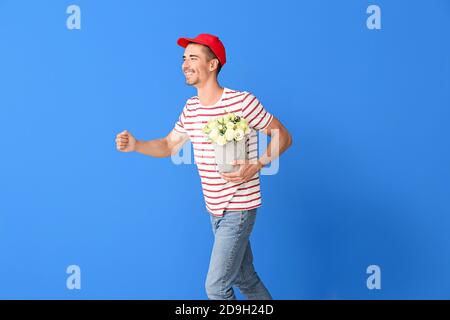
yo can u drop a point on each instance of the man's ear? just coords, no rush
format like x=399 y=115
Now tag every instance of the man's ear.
x=214 y=64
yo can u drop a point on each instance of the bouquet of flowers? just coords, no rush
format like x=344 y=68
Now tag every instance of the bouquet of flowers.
x=229 y=127
x=227 y=135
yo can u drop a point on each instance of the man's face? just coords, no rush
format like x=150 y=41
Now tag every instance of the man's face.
x=195 y=64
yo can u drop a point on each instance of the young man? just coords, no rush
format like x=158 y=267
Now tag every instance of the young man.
x=231 y=198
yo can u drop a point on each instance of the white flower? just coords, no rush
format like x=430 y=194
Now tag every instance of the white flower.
x=230 y=125
x=214 y=134
x=238 y=134
x=221 y=140
x=229 y=134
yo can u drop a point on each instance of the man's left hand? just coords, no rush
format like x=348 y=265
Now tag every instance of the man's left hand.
x=247 y=170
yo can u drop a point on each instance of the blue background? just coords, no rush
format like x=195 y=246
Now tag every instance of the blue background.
x=366 y=180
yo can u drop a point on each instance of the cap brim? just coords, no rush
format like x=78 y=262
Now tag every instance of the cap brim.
x=184 y=42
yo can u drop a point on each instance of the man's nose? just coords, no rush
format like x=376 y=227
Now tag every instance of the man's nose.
x=185 y=65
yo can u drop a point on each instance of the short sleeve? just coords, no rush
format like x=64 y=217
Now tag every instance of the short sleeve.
x=253 y=111
x=179 y=125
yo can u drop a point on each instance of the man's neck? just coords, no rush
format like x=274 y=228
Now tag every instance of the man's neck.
x=210 y=93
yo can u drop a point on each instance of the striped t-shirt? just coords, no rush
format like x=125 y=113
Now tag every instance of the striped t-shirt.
x=221 y=195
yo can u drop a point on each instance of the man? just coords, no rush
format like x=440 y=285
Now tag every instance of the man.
x=231 y=198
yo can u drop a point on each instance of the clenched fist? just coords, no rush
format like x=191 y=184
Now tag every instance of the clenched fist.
x=125 y=142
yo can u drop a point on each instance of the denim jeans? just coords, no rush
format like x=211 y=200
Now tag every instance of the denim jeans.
x=231 y=261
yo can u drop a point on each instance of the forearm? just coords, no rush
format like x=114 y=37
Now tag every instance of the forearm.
x=155 y=148
x=280 y=141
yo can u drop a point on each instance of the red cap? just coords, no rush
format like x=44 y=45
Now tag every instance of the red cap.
x=208 y=40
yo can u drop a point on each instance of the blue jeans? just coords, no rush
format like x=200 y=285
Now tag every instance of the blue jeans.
x=232 y=259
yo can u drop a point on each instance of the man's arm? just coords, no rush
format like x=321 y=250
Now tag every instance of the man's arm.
x=159 y=148
x=280 y=141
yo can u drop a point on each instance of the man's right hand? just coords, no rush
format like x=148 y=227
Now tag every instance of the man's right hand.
x=125 y=142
